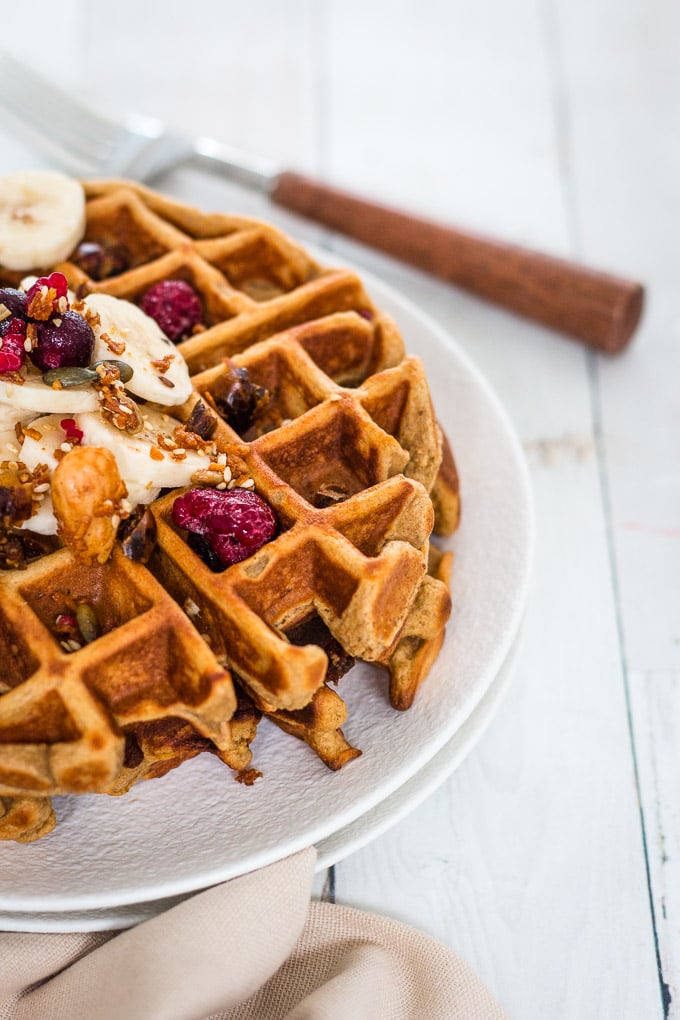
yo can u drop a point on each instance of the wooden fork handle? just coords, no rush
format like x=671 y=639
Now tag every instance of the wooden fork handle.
x=599 y=309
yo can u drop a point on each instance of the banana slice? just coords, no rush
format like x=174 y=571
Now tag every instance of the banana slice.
x=9 y=416
x=39 y=398
x=9 y=446
x=42 y=218
x=138 y=493
x=139 y=459
x=146 y=350
x=43 y=520
x=41 y=445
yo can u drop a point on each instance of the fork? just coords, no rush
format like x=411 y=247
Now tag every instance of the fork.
x=597 y=308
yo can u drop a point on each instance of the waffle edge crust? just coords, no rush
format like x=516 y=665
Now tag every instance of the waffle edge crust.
x=349 y=456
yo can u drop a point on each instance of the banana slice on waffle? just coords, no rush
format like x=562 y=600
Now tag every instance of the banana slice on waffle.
x=292 y=384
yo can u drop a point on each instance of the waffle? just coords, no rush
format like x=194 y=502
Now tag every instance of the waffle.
x=346 y=450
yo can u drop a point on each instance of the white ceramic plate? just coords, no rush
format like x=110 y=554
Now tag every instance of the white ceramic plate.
x=334 y=848
x=197 y=826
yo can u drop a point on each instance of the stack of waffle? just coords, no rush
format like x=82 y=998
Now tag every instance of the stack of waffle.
x=347 y=452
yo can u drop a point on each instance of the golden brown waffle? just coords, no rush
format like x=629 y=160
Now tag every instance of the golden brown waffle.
x=65 y=713
x=347 y=452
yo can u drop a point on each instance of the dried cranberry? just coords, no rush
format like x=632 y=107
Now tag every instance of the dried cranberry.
x=48 y=296
x=175 y=306
x=65 y=623
x=64 y=342
x=101 y=261
x=202 y=421
x=238 y=399
x=55 y=281
x=233 y=523
x=14 y=301
x=13 y=333
x=12 y=341
x=10 y=362
x=73 y=434
x=137 y=534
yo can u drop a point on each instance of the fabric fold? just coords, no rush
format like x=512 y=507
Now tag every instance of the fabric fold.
x=254 y=948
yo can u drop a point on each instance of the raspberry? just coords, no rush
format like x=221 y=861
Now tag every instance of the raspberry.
x=233 y=523
x=175 y=306
x=238 y=399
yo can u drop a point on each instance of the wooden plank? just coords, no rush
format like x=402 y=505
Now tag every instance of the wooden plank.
x=655 y=704
x=529 y=861
x=621 y=109
x=625 y=164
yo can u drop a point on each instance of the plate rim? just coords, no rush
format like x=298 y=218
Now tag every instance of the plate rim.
x=424 y=783
x=390 y=297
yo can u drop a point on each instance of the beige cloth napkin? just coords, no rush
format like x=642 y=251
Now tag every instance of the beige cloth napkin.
x=253 y=948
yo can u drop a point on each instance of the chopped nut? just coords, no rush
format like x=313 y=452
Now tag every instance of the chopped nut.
x=163 y=364
x=115 y=346
x=87 y=491
x=119 y=409
x=41 y=305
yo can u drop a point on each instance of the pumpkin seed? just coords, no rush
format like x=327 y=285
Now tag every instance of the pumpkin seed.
x=69 y=376
x=73 y=376
x=87 y=621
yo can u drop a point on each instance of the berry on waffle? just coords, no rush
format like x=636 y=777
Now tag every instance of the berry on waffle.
x=283 y=472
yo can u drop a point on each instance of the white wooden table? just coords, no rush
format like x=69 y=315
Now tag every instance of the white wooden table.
x=550 y=859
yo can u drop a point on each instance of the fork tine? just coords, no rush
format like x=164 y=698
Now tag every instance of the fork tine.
x=22 y=79
x=54 y=113
x=81 y=140
x=75 y=133
x=35 y=93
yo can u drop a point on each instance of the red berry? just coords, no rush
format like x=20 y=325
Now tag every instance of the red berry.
x=47 y=297
x=175 y=306
x=100 y=261
x=235 y=523
x=63 y=342
x=9 y=362
x=14 y=300
x=73 y=433
x=56 y=280
x=12 y=340
x=65 y=621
